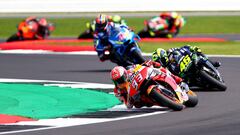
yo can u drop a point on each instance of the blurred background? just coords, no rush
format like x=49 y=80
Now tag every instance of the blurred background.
x=204 y=18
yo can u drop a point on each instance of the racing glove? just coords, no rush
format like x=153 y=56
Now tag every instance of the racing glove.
x=195 y=49
x=122 y=96
x=195 y=58
x=184 y=86
x=150 y=63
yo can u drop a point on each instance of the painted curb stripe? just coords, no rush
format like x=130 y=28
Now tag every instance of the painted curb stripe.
x=83 y=53
x=4 y=119
x=65 y=122
x=184 y=39
x=17 y=99
x=58 y=48
x=46 y=44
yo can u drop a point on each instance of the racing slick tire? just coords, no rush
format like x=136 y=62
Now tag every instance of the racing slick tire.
x=14 y=37
x=138 y=56
x=192 y=99
x=85 y=35
x=144 y=34
x=220 y=86
x=163 y=100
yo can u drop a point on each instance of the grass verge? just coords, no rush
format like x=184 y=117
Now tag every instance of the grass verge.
x=72 y=27
x=226 y=48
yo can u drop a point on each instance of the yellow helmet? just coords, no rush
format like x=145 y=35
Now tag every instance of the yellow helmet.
x=116 y=19
x=160 y=55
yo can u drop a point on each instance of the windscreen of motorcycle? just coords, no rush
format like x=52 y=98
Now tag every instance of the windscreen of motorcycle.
x=119 y=36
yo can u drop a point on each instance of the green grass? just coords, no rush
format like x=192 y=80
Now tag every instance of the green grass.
x=72 y=27
x=212 y=25
x=227 y=48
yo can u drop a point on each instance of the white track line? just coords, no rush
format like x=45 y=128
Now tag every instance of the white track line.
x=91 y=122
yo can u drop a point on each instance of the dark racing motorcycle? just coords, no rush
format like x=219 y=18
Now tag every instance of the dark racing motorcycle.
x=88 y=34
x=197 y=70
x=123 y=48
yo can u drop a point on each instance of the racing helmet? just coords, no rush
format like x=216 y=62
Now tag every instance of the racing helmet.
x=174 y=15
x=31 y=18
x=160 y=55
x=101 y=22
x=42 y=22
x=119 y=77
x=116 y=19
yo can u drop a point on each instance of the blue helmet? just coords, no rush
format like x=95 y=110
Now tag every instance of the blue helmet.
x=101 y=22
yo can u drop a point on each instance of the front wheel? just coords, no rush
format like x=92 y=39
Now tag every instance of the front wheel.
x=14 y=37
x=143 y=34
x=137 y=57
x=85 y=35
x=192 y=99
x=165 y=100
x=213 y=81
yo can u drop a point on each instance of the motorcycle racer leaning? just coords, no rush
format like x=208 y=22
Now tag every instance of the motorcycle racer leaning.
x=103 y=28
x=175 y=21
x=167 y=25
x=115 y=19
x=121 y=79
x=171 y=56
x=43 y=30
x=157 y=24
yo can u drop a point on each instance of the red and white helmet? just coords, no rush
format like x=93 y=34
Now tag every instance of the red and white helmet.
x=42 y=22
x=119 y=75
x=31 y=18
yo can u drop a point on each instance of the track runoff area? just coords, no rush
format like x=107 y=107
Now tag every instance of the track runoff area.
x=105 y=107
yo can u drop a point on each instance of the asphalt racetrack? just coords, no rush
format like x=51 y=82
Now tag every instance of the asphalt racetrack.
x=218 y=113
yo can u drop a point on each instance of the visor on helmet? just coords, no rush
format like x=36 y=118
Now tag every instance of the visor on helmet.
x=101 y=27
x=120 y=80
x=160 y=56
x=101 y=22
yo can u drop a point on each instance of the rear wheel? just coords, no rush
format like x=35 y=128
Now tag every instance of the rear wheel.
x=164 y=100
x=213 y=81
x=137 y=55
x=14 y=37
x=85 y=35
x=143 y=34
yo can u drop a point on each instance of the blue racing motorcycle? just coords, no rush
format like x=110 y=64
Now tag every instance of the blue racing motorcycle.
x=122 y=47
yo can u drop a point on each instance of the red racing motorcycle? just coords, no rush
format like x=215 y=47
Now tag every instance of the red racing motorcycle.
x=162 y=27
x=34 y=29
x=156 y=87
